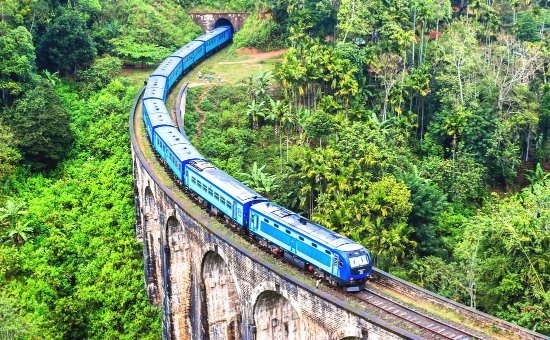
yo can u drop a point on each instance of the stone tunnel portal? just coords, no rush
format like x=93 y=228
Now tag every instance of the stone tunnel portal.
x=224 y=22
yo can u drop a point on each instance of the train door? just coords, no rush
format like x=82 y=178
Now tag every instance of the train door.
x=234 y=210
x=292 y=245
x=336 y=266
x=253 y=222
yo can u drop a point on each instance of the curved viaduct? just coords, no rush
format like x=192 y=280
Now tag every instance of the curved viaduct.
x=212 y=285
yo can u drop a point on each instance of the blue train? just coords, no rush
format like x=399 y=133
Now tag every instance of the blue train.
x=309 y=245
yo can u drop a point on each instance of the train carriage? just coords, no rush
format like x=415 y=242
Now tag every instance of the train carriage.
x=156 y=88
x=216 y=37
x=171 y=68
x=334 y=254
x=190 y=53
x=154 y=93
x=155 y=115
x=221 y=190
x=174 y=148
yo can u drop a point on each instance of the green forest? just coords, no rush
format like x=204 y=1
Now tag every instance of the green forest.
x=419 y=128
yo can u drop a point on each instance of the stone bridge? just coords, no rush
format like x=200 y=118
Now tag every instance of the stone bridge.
x=210 y=20
x=212 y=284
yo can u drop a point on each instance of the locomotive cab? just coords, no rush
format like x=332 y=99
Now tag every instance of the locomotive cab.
x=356 y=266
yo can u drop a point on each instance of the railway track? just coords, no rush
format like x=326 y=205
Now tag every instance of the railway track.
x=428 y=326
x=385 y=281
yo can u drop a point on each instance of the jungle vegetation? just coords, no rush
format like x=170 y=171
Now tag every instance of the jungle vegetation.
x=419 y=128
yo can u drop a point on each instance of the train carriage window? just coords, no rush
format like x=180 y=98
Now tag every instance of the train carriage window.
x=287 y=231
x=276 y=225
x=314 y=245
x=340 y=264
x=193 y=180
x=328 y=252
x=229 y=205
x=222 y=200
x=300 y=238
x=204 y=187
x=210 y=192
x=216 y=196
x=266 y=220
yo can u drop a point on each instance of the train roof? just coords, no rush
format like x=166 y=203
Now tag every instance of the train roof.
x=304 y=226
x=153 y=93
x=185 y=50
x=179 y=145
x=210 y=34
x=156 y=82
x=166 y=67
x=158 y=114
x=225 y=182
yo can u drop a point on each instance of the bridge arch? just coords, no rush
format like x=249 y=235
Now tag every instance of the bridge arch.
x=221 y=298
x=151 y=247
x=275 y=317
x=178 y=285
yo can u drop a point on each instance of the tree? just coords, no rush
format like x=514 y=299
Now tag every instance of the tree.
x=9 y=214
x=259 y=181
x=355 y=19
x=42 y=126
x=505 y=249
x=527 y=28
x=428 y=202
x=66 y=46
x=132 y=51
x=101 y=73
x=19 y=233
x=16 y=60
x=387 y=68
x=9 y=155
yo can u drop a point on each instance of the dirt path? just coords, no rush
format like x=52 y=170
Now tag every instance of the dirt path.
x=202 y=114
x=255 y=56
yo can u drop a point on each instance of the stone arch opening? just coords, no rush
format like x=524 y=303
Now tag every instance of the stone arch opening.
x=220 y=298
x=177 y=277
x=275 y=318
x=224 y=22
x=151 y=251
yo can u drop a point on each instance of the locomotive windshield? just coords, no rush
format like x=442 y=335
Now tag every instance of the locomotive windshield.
x=358 y=259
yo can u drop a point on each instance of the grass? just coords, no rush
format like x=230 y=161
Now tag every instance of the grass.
x=137 y=76
x=230 y=73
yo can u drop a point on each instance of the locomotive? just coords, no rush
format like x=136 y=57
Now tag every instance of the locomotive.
x=306 y=244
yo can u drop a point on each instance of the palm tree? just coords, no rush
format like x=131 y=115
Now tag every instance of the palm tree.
x=19 y=233
x=263 y=79
x=9 y=213
x=255 y=111
x=259 y=180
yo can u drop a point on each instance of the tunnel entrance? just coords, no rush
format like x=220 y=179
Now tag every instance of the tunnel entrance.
x=224 y=22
